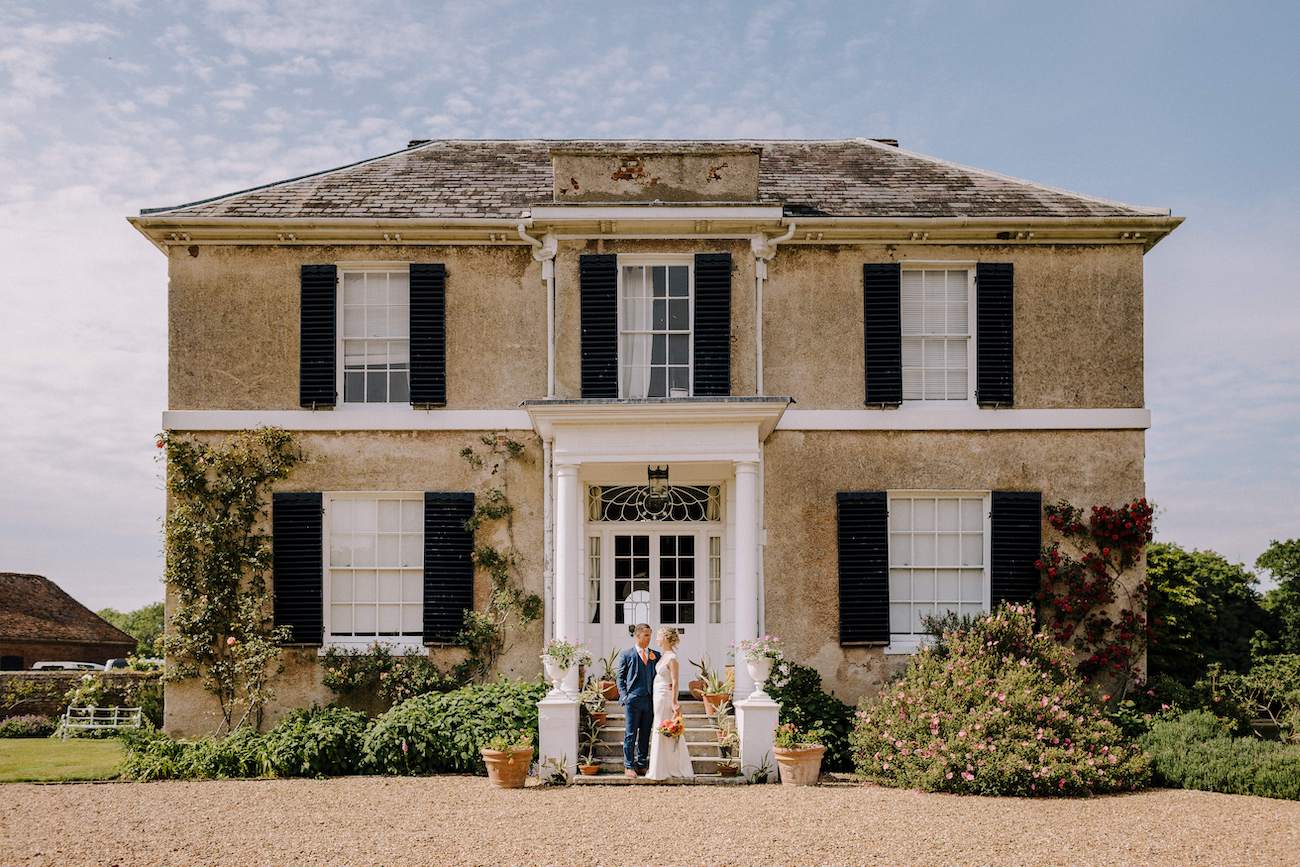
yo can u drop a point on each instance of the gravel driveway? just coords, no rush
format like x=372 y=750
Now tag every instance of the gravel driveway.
x=445 y=820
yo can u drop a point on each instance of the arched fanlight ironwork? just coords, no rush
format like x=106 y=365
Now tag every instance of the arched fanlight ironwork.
x=688 y=503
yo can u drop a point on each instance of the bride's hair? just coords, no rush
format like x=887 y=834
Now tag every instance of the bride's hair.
x=669 y=637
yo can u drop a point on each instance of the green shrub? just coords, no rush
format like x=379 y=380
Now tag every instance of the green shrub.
x=152 y=755
x=443 y=732
x=1269 y=691
x=805 y=705
x=375 y=676
x=28 y=725
x=995 y=708
x=1196 y=751
x=316 y=742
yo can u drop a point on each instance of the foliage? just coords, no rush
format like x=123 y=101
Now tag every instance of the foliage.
x=443 y=732
x=218 y=561
x=1269 y=691
x=1203 y=610
x=592 y=697
x=994 y=709
x=53 y=760
x=609 y=666
x=97 y=689
x=806 y=705
x=316 y=742
x=377 y=673
x=504 y=742
x=27 y=692
x=1196 y=751
x=484 y=631
x=565 y=654
x=1081 y=585
x=152 y=755
x=590 y=740
x=1282 y=561
x=144 y=624
x=790 y=737
x=769 y=646
x=29 y=725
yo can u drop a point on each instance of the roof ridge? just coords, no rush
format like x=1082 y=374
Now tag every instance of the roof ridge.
x=1146 y=210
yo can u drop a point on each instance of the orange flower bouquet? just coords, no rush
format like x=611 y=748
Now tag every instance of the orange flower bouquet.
x=672 y=728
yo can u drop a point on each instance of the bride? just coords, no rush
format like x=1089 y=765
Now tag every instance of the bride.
x=669 y=757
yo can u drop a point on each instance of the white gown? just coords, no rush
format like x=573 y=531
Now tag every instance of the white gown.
x=669 y=757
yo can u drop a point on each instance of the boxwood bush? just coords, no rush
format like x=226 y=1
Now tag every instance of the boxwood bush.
x=1197 y=751
x=317 y=742
x=28 y=725
x=807 y=706
x=443 y=732
x=994 y=708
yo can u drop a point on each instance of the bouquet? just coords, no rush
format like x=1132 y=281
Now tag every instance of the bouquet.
x=672 y=728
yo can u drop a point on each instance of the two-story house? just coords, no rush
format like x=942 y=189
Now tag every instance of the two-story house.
x=816 y=389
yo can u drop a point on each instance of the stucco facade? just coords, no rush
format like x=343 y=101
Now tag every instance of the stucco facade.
x=778 y=454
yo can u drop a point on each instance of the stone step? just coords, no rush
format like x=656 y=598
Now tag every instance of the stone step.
x=695 y=749
x=617 y=779
x=688 y=707
x=701 y=734
x=700 y=764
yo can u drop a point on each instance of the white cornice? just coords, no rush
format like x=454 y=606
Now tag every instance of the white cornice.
x=547 y=415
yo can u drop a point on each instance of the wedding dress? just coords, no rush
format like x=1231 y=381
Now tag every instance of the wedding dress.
x=669 y=757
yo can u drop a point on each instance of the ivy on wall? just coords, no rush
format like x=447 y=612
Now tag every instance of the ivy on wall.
x=218 y=560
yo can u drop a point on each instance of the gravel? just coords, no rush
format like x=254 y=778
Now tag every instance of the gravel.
x=462 y=820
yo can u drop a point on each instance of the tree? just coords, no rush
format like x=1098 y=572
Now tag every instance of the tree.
x=1203 y=610
x=144 y=624
x=1282 y=561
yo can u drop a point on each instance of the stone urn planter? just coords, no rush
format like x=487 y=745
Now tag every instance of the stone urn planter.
x=760 y=668
x=508 y=769
x=554 y=673
x=801 y=765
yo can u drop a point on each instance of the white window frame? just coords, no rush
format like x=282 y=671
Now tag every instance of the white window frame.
x=342 y=268
x=396 y=643
x=649 y=259
x=905 y=643
x=930 y=404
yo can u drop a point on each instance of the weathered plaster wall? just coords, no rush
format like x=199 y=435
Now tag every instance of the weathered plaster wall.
x=568 y=329
x=392 y=461
x=804 y=471
x=1078 y=322
x=233 y=323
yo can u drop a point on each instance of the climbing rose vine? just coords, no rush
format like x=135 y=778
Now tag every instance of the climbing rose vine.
x=1084 y=601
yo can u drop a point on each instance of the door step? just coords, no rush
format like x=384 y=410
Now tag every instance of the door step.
x=617 y=779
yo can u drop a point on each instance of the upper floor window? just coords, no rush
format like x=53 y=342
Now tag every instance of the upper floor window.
x=654 y=329
x=938 y=350
x=375 y=329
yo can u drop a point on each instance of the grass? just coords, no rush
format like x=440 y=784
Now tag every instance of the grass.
x=24 y=760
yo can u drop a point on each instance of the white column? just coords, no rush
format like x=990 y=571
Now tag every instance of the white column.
x=746 y=566
x=567 y=547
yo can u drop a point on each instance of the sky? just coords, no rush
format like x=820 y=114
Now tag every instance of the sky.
x=108 y=108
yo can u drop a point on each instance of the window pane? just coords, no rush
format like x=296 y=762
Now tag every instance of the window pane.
x=340 y=551
x=658 y=383
x=923 y=585
x=390 y=619
x=686 y=613
x=363 y=586
x=900 y=584
x=412 y=587
x=679 y=348
x=972 y=586
x=949 y=550
x=900 y=549
x=923 y=514
x=389 y=551
x=364 y=516
x=660 y=279
x=390 y=586
x=919 y=612
x=679 y=377
x=341 y=619
x=678 y=281
x=399 y=387
x=661 y=315
x=354 y=288
x=899 y=617
x=667 y=612
x=376 y=322
x=972 y=514
x=399 y=287
x=972 y=550
x=412 y=515
x=680 y=318
x=363 y=549
x=376 y=387
x=363 y=620
x=946 y=585
x=958 y=283
x=354 y=321
x=923 y=550
x=399 y=321
x=354 y=387
x=659 y=350
x=935 y=285
x=948 y=509
x=340 y=586
x=900 y=514
x=412 y=620
x=390 y=516
x=376 y=288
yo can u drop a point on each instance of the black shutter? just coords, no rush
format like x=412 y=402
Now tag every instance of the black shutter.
x=297 y=566
x=317 y=312
x=882 y=333
x=598 y=283
x=428 y=334
x=712 y=324
x=863 y=527
x=448 y=564
x=1017 y=537
x=994 y=347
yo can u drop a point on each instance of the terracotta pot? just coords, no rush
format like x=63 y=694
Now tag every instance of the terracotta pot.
x=801 y=766
x=609 y=689
x=589 y=770
x=696 y=688
x=728 y=770
x=508 y=769
x=600 y=717
x=712 y=700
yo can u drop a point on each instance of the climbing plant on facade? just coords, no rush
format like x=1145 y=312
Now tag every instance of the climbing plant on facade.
x=1085 y=599
x=496 y=555
x=218 y=560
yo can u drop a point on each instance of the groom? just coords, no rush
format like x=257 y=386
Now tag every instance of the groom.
x=636 y=676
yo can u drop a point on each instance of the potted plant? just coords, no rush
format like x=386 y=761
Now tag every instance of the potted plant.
x=728 y=745
x=799 y=755
x=696 y=687
x=760 y=654
x=559 y=657
x=609 y=676
x=593 y=702
x=715 y=693
x=508 y=755
x=590 y=765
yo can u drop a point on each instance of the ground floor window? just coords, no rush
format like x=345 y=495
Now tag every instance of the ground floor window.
x=374 y=587
x=938 y=560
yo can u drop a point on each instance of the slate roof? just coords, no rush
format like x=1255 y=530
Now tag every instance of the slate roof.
x=499 y=179
x=32 y=607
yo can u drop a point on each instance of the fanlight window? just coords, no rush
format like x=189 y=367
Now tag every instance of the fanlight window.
x=698 y=503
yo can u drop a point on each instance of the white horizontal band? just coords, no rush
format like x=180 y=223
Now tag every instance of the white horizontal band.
x=396 y=418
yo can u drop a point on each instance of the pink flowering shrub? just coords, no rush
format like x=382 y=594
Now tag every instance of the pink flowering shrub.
x=995 y=708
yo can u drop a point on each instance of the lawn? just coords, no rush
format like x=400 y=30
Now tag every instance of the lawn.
x=48 y=759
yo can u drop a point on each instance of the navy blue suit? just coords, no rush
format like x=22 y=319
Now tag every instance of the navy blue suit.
x=635 y=692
